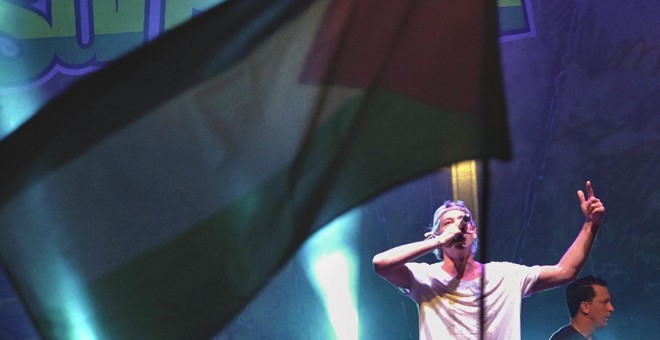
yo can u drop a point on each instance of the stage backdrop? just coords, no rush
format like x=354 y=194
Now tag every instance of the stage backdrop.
x=583 y=93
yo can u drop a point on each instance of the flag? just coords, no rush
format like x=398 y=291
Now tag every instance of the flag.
x=156 y=196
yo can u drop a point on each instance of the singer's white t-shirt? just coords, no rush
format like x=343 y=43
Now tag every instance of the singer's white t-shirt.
x=449 y=308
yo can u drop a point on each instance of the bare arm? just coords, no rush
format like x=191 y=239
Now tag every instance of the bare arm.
x=390 y=263
x=570 y=265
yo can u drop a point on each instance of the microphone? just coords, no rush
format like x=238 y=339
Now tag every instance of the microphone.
x=463 y=227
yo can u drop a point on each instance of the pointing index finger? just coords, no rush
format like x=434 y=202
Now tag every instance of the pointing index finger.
x=590 y=190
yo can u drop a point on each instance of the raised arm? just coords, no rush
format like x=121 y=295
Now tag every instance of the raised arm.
x=390 y=263
x=573 y=260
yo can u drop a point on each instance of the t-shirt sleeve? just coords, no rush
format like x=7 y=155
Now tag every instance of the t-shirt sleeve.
x=528 y=276
x=418 y=273
x=518 y=277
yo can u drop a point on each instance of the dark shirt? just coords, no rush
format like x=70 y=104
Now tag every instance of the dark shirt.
x=569 y=333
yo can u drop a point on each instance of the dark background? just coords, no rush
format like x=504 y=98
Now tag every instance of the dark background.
x=583 y=96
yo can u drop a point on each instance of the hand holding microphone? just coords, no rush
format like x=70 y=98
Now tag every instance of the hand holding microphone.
x=458 y=237
x=463 y=228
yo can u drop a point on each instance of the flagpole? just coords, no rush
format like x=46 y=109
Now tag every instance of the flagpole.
x=483 y=233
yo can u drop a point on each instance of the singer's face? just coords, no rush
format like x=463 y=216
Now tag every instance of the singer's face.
x=454 y=218
x=451 y=217
x=600 y=307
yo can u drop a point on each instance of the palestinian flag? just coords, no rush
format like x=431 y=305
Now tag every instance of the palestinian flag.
x=155 y=197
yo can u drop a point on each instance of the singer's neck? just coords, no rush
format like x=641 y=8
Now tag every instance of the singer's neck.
x=462 y=268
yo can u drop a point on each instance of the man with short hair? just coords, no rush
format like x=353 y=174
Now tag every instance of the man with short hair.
x=589 y=306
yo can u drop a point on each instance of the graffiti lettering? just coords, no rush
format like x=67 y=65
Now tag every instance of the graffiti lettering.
x=597 y=52
x=77 y=36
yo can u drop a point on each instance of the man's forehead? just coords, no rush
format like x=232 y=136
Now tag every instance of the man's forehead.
x=601 y=291
x=449 y=206
x=452 y=213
